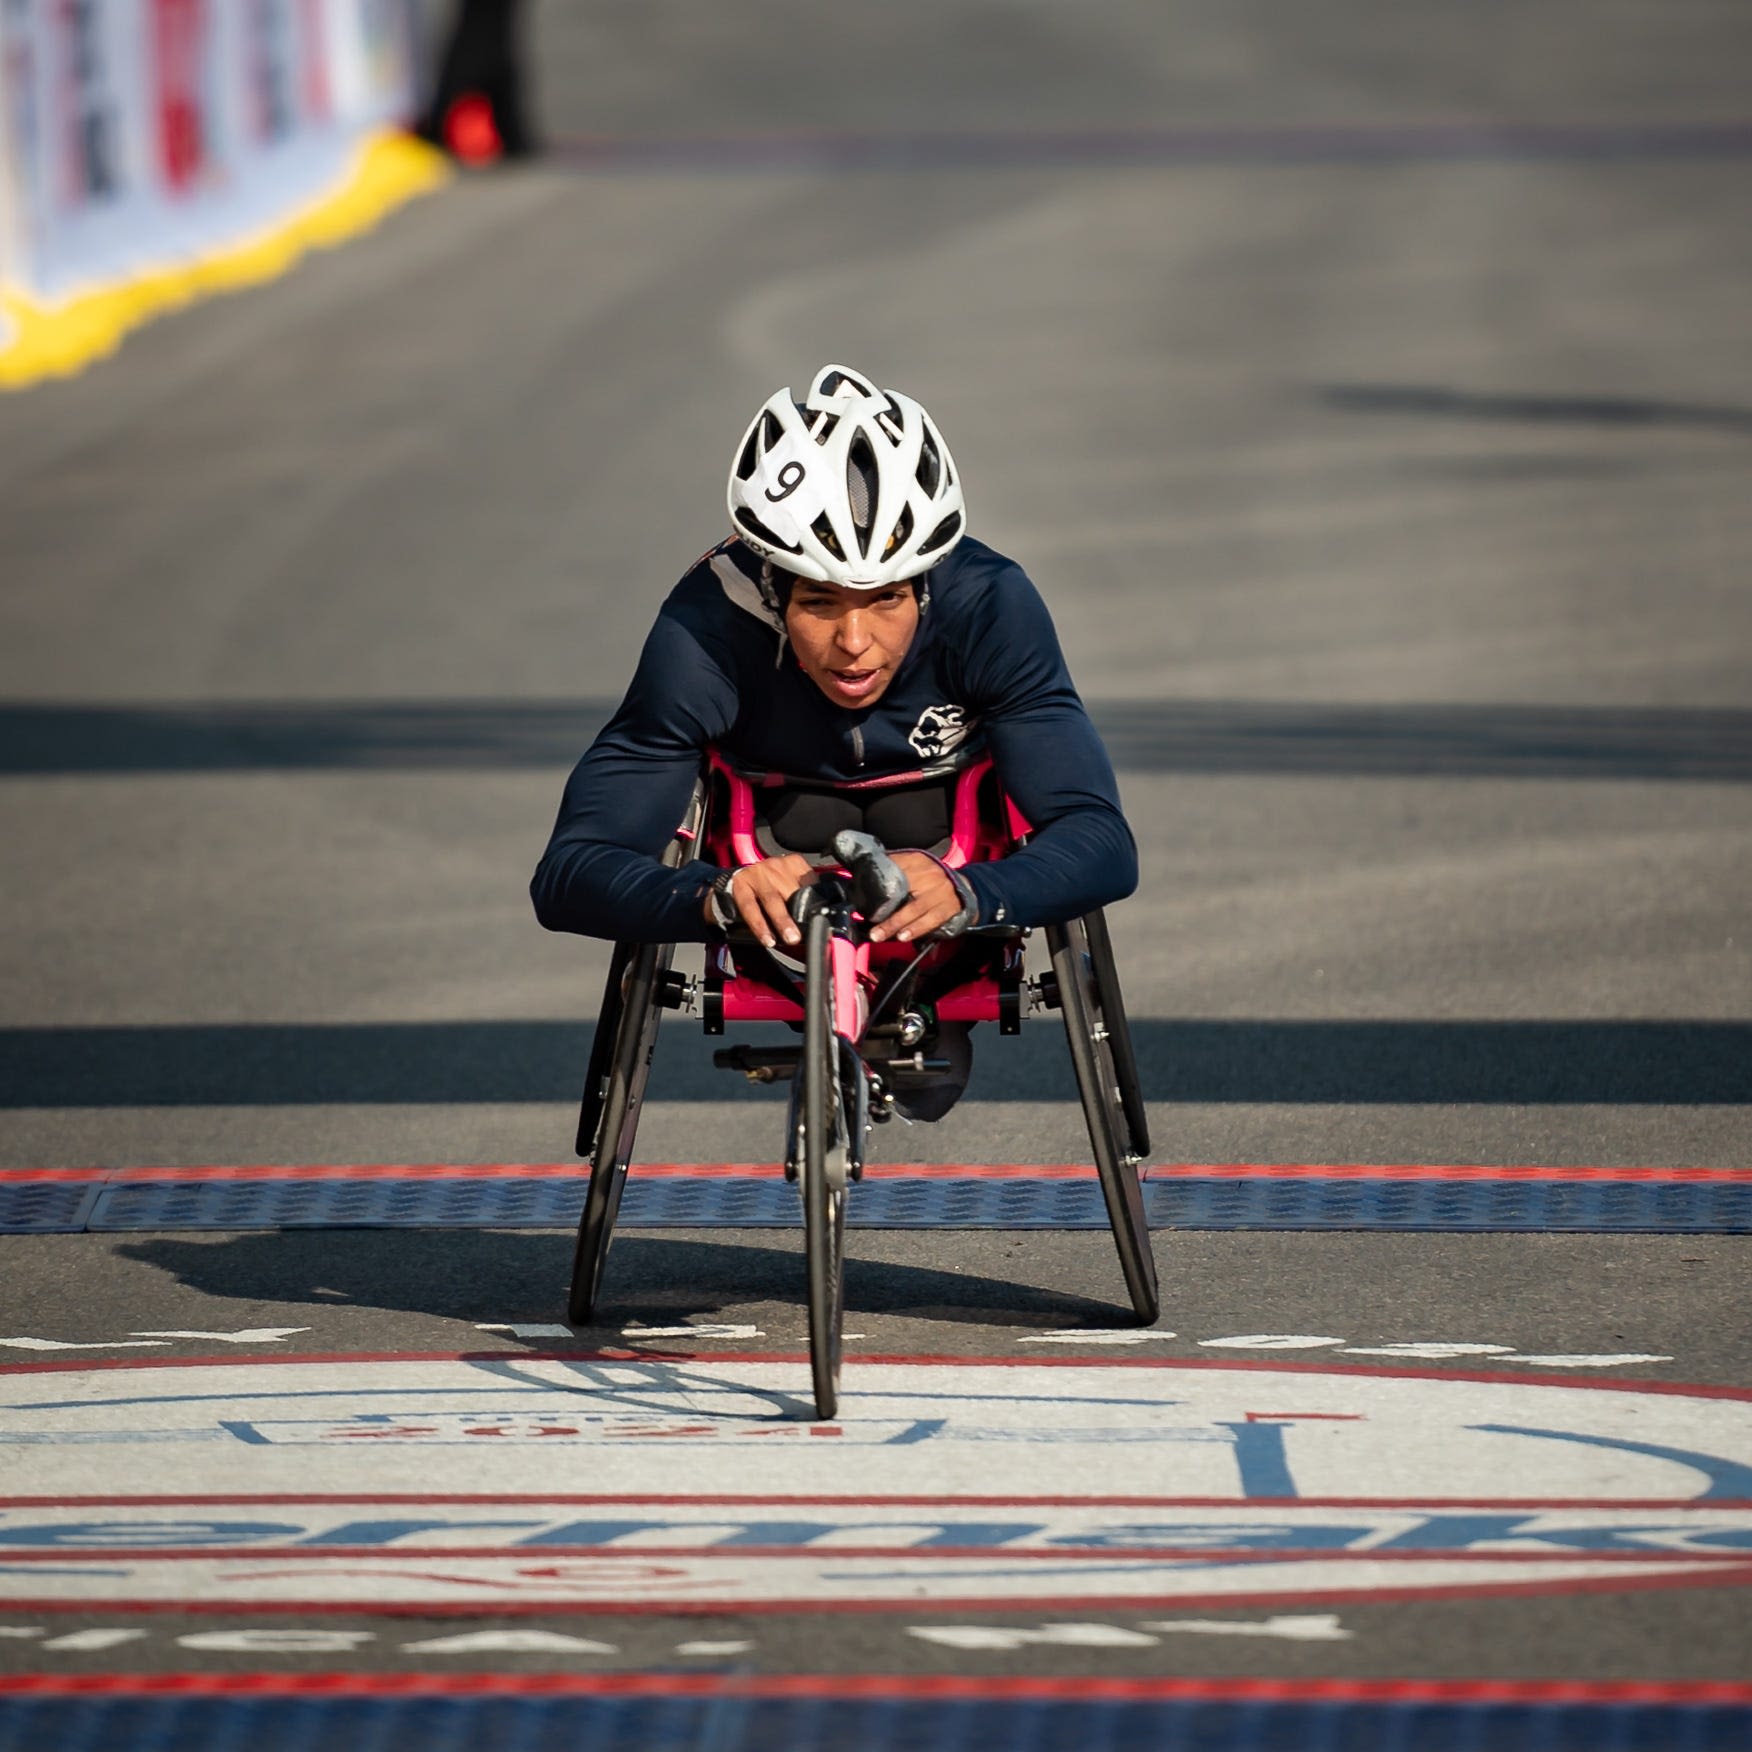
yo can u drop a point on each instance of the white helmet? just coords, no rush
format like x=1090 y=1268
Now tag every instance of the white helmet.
x=854 y=486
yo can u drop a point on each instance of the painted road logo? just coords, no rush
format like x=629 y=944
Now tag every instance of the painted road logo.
x=699 y=1485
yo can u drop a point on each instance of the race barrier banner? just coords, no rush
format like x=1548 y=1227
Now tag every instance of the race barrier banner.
x=153 y=151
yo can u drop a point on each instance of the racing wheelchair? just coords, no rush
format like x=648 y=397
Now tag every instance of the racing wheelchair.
x=867 y=1014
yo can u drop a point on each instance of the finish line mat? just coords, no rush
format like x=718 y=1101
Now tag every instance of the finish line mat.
x=862 y=1713
x=671 y=1196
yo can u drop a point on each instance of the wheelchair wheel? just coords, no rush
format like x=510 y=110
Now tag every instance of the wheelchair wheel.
x=620 y=1067
x=823 y=1166
x=1091 y=1043
x=1111 y=1005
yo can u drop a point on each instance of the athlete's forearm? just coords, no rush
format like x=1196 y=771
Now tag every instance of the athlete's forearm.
x=1083 y=860
x=602 y=890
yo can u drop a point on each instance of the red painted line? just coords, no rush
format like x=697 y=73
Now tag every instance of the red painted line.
x=773 y=1499
x=38 y=1176
x=941 y=1688
x=369 y=1171
x=884 y=1171
x=1554 y=1380
x=1220 y=1557
x=1370 y=1171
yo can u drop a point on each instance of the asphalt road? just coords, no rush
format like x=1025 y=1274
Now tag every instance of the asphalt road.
x=1370 y=393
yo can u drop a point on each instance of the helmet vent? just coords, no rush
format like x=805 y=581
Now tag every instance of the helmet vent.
x=863 y=485
x=825 y=535
x=750 y=454
x=761 y=533
x=930 y=470
x=902 y=531
x=950 y=526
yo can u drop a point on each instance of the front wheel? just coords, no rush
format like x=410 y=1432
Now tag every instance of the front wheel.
x=822 y=1164
x=625 y=1068
x=1105 y=1109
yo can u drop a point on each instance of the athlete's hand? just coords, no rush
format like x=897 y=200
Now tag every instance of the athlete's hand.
x=762 y=895
x=935 y=900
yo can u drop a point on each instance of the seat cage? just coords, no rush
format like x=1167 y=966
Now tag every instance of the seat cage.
x=967 y=979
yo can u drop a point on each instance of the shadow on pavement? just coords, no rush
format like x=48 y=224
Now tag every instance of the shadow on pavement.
x=521 y=1278
x=1143 y=735
x=1437 y=402
x=1388 y=1062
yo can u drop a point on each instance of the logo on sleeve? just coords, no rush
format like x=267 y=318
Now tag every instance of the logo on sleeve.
x=939 y=731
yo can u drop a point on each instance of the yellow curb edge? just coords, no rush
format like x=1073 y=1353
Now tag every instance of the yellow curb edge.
x=38 y=342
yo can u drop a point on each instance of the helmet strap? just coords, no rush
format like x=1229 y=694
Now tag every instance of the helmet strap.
x=769 y=594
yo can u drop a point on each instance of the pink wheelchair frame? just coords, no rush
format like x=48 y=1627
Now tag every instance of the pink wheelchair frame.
x=976 y=835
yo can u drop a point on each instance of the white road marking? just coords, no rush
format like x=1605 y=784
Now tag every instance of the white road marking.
x=1591 y=1362
x=1074 y=1335
x=293 y=1641
x=66 y=1344
x=1268 y=1341
x=713 y=1648
x=511 y=1642
x=1430 y=1352
x=992 y=1636
x=1308 y=1627
x=88 y=1642
x=247 y=1335
x=701 y=1331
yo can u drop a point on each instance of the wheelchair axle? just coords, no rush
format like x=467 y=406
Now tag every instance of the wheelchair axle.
x=760 y=1064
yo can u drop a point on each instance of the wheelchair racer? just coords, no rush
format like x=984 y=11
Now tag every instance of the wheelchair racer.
x=848 y=630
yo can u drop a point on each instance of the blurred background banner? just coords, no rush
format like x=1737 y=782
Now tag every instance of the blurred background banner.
x=154 y=149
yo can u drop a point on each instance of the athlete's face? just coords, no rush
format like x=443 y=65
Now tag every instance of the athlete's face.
x=850 y=642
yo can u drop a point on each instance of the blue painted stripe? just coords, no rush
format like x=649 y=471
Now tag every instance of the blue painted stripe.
x=1299 y=1202
x=684 y=1724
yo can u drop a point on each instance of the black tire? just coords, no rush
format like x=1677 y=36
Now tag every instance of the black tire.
x=608 y=1016
x=636 y=1014
x=1090 y=1042
x=1110 y=1003
x=824 y=1203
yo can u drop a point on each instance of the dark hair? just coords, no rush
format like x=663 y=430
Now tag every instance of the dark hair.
x=785 y=582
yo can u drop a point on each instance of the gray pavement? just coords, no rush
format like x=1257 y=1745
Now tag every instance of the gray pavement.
x=1388 y=484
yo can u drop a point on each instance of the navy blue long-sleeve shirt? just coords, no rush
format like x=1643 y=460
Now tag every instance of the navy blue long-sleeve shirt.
x=715 y=672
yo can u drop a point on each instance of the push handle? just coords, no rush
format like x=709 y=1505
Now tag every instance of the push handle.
x=879 y=888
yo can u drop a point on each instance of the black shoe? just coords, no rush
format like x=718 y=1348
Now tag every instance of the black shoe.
x=930 y=1097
